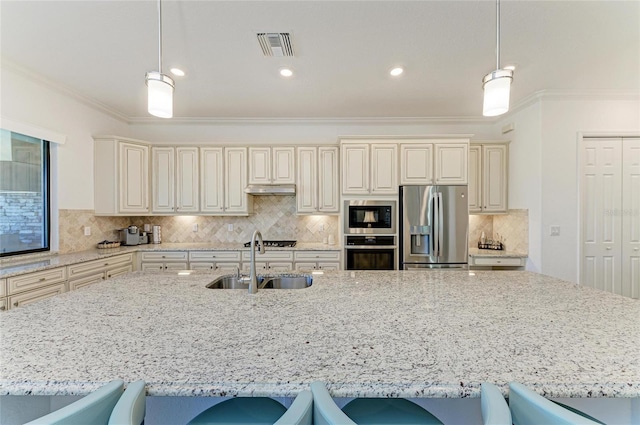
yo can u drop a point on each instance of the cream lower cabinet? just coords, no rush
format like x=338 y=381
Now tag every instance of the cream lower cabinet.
x=270 y=261
x=317 y=180
x=121 y=176
x=31 y=287
x=164 y=261
x=3 y=295
x=219 y=261
x=95 y=271
x=317 y=260
x=497 y=263
x=488 y=170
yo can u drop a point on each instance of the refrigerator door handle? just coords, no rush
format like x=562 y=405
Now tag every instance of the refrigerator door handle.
x=436 y=225
x=440 y=222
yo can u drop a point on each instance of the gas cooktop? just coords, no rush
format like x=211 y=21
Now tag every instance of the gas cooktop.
x=280 y=244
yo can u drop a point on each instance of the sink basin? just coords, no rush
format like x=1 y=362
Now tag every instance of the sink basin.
x=264 y=282
x=288 y=282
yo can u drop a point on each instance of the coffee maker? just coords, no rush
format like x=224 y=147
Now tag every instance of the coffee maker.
x=131 y=236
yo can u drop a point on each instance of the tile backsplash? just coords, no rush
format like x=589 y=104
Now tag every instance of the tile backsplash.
x=513 y=227
x=274 y=216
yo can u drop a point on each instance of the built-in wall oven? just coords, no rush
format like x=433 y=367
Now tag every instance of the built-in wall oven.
x=367 y=252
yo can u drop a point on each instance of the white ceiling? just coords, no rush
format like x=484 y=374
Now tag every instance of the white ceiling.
x=344 y=51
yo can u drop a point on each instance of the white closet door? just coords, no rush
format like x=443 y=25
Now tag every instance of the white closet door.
x=601 y=218
x=631 y=217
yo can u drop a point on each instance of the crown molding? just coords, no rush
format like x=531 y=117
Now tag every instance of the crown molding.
x=311 y=121
x=62 y=89
x=572 y=95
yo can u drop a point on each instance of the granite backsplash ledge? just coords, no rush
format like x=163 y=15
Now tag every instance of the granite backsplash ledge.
x=274 y=216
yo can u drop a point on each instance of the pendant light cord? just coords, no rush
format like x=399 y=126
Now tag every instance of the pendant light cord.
x=160 y=36
x=497 y=34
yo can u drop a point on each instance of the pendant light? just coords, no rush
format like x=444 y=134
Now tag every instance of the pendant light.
x=160 y=86
x=497 y=84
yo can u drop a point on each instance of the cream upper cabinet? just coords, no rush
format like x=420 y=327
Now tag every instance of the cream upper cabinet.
x=451 y=163
x=175 y=180
x=271 y=165
x=369 y=168
x=121 y=176
x=236 y=201
x=488 y=170
x=223 y=179
x=317 y=182
x=416 y=163
x=212 y=180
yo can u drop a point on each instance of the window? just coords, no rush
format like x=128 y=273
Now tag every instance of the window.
x=24 y=194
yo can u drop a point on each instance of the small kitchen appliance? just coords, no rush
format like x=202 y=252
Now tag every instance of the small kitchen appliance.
x=132 y=236
x=363 y=216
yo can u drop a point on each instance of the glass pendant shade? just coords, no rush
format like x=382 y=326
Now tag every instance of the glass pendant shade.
x=160 y=94
x=497 y=87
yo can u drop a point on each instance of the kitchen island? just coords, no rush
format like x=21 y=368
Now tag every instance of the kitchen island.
x=412 y=334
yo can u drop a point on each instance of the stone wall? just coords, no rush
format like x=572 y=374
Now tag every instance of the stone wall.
x=20 y=221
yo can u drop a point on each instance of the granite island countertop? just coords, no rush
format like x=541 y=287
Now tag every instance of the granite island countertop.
x=375 y=334
x=38 y=262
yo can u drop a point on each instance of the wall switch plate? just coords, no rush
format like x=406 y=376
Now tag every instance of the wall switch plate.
x=229 y=227
x=195 y=227
x=87 y=230
x=555 y=231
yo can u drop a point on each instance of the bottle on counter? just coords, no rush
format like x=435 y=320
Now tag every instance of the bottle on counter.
x=483 y=238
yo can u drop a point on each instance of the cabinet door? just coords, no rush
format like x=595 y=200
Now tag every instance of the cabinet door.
x=279 y=267
x=451 y=163
x=475 y=179
x=86 y=280
x=133 y=178
x=187 y=180
x=283 y=164
x=631 y=221
x=119 y=271
x=259 y=165
x=306 y=266
x=328 y=267
x=328 y=195
x=355 y=169
x=162 y=180
x=37 y=295
x=152 y=266
x=384 y=171
x=307 y=185
x=236 y=180
x=176 y=266
x=202 y=266
x=227 y=267
x=494 y=178
x=416 y=164
x=212 y=180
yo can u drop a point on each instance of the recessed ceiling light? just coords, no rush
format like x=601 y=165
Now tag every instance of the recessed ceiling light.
x=177 y=72
x=286 y=72
x=396 y=71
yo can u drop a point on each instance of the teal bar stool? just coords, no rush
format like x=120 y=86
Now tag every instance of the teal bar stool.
x=495 y=410
x=131 y=407
x=366 y=411
x=94 y=409
x=258 y=411
x=529 y=408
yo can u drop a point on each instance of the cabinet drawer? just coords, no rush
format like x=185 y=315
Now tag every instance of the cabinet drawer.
x=214 y=256
x=317 y=255
x=176 y=266
x=165 y=256
x=87 y=280
x=36 y=280
x=498 y=261
x=119 y=271
x=97 y=265
x=37 y=295
x=269 y=256
x=3 y=287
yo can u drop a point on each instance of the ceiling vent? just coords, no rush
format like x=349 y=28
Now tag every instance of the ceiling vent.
x=275 y=43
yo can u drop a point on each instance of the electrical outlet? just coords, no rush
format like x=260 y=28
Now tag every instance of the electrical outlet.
x=321 y=227
x=230 y=227
x=555 y=231
x=87 y=231
x=195 y=227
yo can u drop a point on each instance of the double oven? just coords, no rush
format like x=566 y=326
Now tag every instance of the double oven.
x=370 y=234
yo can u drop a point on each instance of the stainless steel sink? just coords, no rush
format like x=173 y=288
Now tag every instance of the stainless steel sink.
x=264 y=282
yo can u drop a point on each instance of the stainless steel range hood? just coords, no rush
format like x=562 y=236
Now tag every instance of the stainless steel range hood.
x=271 y=189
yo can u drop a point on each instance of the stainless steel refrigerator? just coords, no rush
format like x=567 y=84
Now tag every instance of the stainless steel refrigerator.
x=434 y=227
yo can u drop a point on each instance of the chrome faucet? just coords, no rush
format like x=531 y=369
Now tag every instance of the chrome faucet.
x=253 y=278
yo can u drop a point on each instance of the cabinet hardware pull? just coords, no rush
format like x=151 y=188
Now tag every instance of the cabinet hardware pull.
x=636 y=249
x=608 y=248
x=15 y=304
x=2 y=308
x=42 y=279
x=106 y=264
x=163 y=256
x=108 y=275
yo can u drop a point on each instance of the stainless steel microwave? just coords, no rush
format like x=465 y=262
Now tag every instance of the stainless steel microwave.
x=369 y=217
